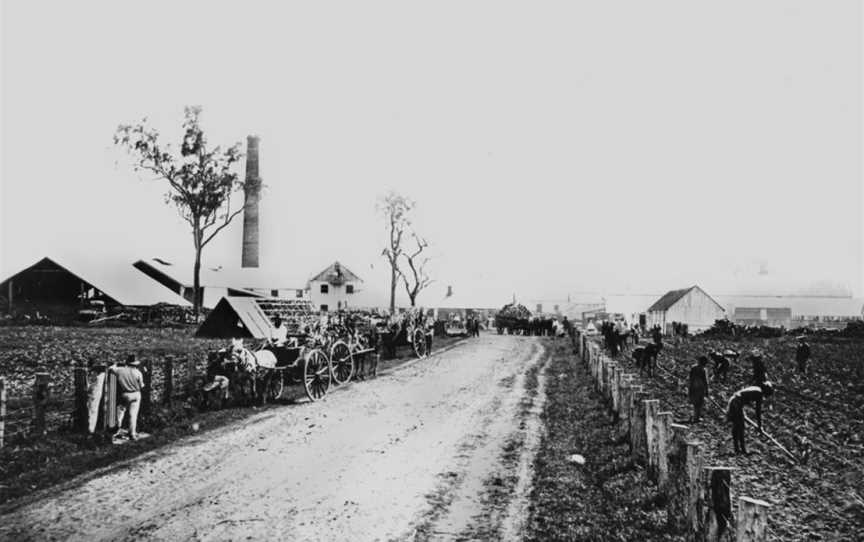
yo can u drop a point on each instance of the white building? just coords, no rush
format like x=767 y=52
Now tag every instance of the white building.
x=334 y=288
x=691 y=306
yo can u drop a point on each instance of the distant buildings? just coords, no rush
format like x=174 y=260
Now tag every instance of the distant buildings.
x=691 y=306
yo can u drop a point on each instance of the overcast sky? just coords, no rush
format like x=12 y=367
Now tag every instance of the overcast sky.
x=552 y=147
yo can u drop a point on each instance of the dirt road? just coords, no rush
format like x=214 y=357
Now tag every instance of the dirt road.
x=440 y=449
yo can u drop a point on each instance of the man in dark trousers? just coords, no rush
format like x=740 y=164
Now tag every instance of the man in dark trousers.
x=802 y=355
x=759 y=372
x=698 y=387
x=735 y=411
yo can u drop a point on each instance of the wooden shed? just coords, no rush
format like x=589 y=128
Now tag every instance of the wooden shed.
x=691 y=306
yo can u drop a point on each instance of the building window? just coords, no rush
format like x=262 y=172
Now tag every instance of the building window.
x=323 y=308
x=349 y=288
x=299 y=294
x=274 y=293
x=325 y=288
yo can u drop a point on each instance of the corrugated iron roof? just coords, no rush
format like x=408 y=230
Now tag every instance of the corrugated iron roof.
x=336 y=272
x=119 y=281
x=674 y=296
x=255 y=314
x=669 y=298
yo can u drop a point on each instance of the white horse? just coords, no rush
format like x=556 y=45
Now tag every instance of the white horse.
x=253 y=364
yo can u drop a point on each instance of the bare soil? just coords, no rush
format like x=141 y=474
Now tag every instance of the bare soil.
x=398 y=457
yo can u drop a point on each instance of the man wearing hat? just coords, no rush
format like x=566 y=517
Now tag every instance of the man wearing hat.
x=802 y=355
x=130 y=382
x=698 y=387
x=735 y=411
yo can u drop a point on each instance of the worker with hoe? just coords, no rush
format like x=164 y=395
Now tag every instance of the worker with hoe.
x=735 y=411
x=802 y=355
x=130 y=382
x=698 y=387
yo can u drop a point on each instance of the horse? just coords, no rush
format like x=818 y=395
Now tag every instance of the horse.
x=646 y=358
x=252 y=366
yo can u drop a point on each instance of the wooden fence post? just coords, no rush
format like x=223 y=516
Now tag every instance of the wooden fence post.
x=81 y=413
x=147 y=392
x=2 y=411
x=662 y=426
x=168 y=371
x=40 y=400
x=652 y=447
x=752 y=520
x=635 y=390
x=616 y=390
x=718 y=505
x=676 y=488
x=694 y=488
x=611 y=367
x=637 y=427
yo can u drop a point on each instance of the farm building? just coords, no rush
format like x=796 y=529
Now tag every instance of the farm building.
x=803 y=311
x=478 y=304
x=691 y=306
x=220 y=282
x=333 y=288
x=763 y=316
x=60 y=289
x=252 y=317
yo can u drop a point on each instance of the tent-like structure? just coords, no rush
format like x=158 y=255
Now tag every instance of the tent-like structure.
x=252 y=317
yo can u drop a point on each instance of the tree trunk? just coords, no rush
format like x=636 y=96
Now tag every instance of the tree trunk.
x=196 y=284
x=392 y=287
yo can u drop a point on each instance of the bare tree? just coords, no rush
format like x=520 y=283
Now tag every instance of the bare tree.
x=419 y=278
x=201 y=181
x=396 y=209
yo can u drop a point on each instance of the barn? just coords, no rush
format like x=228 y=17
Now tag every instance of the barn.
x=691 y=306
x=60 y=289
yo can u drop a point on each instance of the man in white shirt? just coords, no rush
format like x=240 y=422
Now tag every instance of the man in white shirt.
x=279 y=334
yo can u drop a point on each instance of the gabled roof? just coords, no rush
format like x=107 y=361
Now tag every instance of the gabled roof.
x=336 y=273
x=119 y=281
x=674 y=296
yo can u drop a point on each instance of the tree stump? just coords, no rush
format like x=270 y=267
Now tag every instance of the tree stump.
x=652 y=447
x=718 y=505
x=752 y=524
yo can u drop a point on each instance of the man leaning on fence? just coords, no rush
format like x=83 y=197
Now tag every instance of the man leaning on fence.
x=130 y=381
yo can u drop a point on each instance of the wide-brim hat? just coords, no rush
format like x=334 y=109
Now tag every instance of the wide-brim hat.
x=132 y=360
x=800 y=338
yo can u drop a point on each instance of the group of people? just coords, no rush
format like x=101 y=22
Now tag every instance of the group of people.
x=754 y=393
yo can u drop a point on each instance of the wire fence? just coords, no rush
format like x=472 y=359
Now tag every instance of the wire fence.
x=60 y=405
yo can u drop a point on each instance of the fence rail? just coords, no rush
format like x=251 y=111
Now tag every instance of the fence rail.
x=699 y=495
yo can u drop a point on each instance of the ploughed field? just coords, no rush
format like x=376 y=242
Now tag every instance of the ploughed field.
x=820 y=497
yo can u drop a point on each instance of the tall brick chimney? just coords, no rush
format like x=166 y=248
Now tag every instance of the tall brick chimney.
x=250 y=207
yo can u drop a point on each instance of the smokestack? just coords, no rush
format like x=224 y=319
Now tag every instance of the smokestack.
x=252 y=193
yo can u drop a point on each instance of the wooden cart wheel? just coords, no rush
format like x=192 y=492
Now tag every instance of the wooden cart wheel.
x=342 y=361
x=276 y=385
x=418 y=340
x=316 y=374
